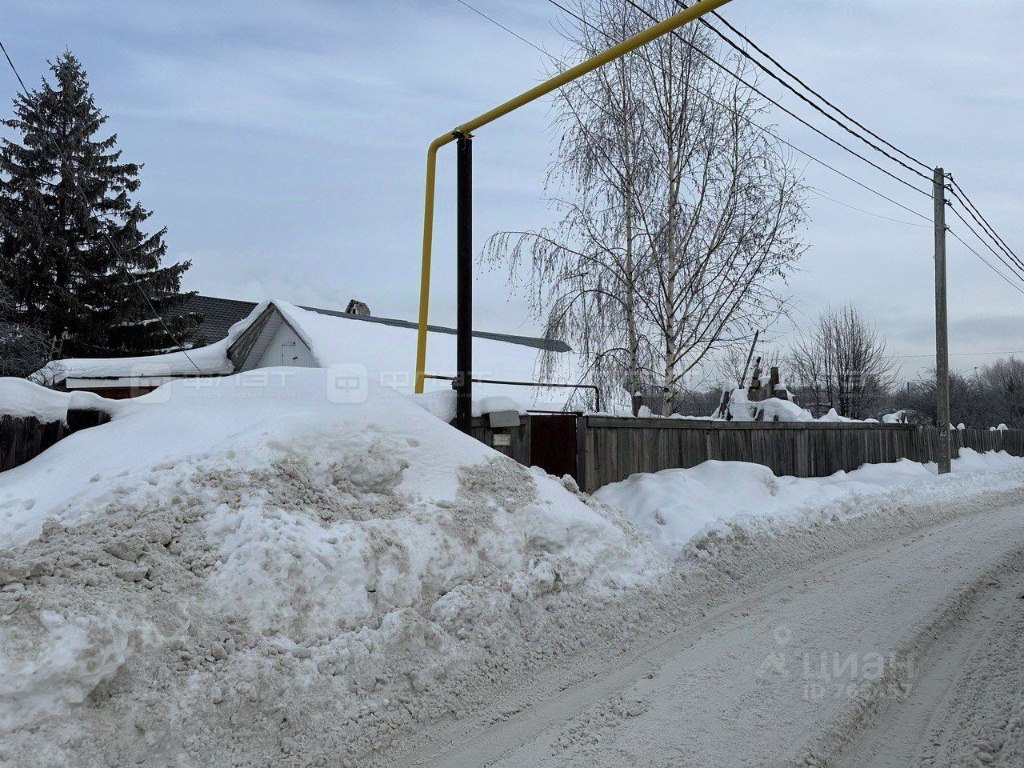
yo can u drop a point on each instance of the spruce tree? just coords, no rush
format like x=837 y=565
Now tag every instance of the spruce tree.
x=73 y=252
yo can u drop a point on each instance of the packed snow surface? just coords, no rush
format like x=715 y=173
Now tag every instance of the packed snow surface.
x=245 y=572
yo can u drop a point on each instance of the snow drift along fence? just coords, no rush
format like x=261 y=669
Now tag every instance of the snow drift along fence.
x=609 y=449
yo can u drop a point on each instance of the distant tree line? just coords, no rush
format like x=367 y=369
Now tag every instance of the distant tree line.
x=840 y=361
x=991 y=396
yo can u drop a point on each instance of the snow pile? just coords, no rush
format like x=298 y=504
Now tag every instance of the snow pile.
x=833 y=416
x=230 y=574
x=677 y=507
x=24 y=399
x=771 y=409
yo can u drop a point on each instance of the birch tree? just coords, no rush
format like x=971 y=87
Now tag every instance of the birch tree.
x=680 y=215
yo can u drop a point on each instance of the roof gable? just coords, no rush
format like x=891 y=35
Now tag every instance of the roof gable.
x=220 y=314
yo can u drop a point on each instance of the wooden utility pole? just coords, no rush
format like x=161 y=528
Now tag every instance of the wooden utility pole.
x=941 y=328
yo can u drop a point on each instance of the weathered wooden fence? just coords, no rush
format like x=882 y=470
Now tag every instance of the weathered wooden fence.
x=610 y=449
x=24 y=438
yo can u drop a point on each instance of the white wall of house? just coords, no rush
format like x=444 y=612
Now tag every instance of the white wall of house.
x=286 y=348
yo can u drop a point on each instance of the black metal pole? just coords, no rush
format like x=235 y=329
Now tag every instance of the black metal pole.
x=464 y=249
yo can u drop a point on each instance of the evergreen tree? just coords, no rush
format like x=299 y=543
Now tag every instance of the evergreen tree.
x=73 y=253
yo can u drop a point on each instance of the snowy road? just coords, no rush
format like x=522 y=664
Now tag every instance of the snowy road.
x=906 y=652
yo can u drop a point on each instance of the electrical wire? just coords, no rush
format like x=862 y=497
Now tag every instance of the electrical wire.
x=499 y=24
x=966 y=354
x=110 y=244
x=778 y=105
x=746 y=54
x=980 y=219
x=1014 y=269
x=775 y=136
x=822 y=194
x=741 y=115
x=13 y=68
x=962 y=197
x=985 y=261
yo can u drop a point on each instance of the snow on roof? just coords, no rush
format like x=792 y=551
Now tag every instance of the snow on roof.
x=386 y=351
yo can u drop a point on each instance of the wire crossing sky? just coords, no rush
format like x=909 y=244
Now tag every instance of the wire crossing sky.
x=282 y=143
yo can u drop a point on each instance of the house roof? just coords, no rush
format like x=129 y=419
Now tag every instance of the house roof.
x=383 y=350
x=218 y=315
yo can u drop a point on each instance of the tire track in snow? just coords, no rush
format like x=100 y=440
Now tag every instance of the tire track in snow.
x=913 y=731
x=733 y=689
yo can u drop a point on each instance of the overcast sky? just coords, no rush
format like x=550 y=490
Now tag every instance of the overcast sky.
x=284 y=142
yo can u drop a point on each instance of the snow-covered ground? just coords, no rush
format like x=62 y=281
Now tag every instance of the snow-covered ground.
x=247 y=572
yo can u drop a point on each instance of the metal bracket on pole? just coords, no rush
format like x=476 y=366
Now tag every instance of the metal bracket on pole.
x=464 y=312
x=941 y=327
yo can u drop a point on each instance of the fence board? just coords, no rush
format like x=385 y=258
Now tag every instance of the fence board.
x=616 y=447
x=24 y=438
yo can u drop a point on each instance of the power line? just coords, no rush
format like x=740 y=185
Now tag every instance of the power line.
x=803 y=84
x=963 y=198
x=13 y=68
x=1014 y=269
x=965 y=354
x=980 y=219
x=986 y=262
x=499 y=24
x=111 y=245
x=771 y=133
x=822 y=194
x=778 y=105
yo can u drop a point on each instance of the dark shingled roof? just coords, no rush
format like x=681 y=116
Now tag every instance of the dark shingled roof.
x=220 y=314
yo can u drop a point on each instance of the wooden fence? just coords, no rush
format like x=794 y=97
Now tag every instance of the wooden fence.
x=610 y=449
x=24 y=438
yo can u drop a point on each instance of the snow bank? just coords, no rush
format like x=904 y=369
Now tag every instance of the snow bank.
x=677 y=506
x=22 y=398
x=25 y=399
x=238 y=570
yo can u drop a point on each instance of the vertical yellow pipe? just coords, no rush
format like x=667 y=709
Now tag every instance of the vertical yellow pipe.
x=428 y=235
x=641 y=38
